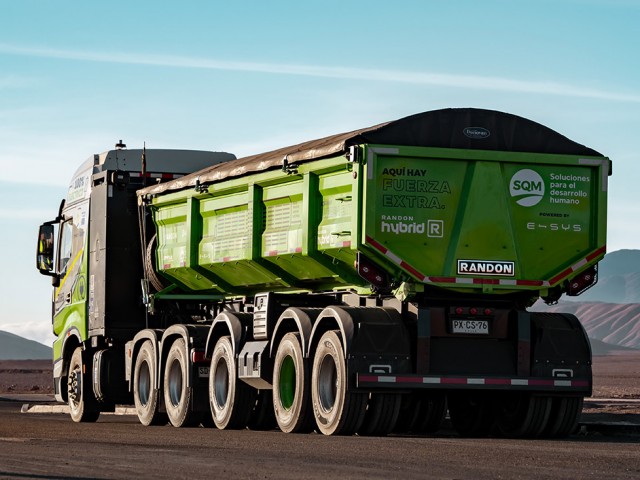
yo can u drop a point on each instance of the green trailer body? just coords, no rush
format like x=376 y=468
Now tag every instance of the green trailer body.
x=470 y=220
x=363 y=282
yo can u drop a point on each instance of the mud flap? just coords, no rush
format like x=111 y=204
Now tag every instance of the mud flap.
x=109 y=385
x=381 y=345
x=560 y=348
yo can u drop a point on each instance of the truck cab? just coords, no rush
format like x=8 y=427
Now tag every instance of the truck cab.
x=91 y=251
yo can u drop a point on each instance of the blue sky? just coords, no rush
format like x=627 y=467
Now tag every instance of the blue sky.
x=247 y=76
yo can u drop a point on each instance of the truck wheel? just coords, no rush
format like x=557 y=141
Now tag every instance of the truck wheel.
x=564 y=416
x=291 y=387
x=231 y=400
x=471 y=414
x=337 y=410
x=421 y=412
x=382 y=414
x=177 y=396
x=432 y=410
x=145 y=393
x=80 y=396
x=522 y=415
x=409 y=412
x=262 y=416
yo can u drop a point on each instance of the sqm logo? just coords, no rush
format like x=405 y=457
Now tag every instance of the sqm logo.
x=527 y=187
x=435 y=228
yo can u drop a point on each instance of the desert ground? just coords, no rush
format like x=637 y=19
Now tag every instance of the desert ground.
x=615 y=376
x=26 y=376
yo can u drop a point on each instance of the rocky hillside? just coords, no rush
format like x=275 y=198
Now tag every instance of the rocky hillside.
x=612 y=323
x=618 y=279
x=610 y=310
x=14 y=347
x=600 y=348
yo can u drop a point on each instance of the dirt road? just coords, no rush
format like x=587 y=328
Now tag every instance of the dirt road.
x=51 y=446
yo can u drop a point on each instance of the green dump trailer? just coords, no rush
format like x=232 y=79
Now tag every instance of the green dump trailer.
x=365 y=282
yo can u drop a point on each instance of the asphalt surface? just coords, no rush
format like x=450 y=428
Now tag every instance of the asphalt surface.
x=50 y=445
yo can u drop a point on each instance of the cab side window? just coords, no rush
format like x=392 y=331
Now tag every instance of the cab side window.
x=66 y=246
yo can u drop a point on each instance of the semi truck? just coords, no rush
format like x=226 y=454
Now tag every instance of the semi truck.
x=368 y=282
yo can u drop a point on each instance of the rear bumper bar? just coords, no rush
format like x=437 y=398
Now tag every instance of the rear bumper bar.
x=411 y=381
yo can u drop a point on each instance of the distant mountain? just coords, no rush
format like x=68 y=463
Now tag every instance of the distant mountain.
x=618 y=279
x=612 y=323
x=610 y=310
x=14 y=347
x=598 y=347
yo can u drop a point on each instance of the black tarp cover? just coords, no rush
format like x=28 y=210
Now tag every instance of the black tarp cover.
x=462 y=128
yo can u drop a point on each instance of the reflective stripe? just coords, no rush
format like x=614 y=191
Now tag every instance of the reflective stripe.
x=476 y=381
x=485 y=281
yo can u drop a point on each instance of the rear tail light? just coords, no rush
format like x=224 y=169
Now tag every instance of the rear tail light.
x=583 y=281
x=198 y=356
x=373 y=274
x=472 y=311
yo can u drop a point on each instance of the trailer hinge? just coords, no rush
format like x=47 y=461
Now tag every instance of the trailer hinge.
x=289 y=168
x=353 y=154
x=147 y=297
x=201 y=188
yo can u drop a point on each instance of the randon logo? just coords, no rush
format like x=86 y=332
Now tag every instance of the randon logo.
x=527 y=187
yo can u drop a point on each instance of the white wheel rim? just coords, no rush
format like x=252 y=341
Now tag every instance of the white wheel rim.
x=144 y=384
x=221 y=384
x=327 y=383
x=175 y=383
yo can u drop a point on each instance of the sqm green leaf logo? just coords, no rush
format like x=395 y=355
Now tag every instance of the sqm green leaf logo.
x=527 y=187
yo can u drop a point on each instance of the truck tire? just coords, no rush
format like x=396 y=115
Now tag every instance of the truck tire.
x=421 y=412
x=262 y=416
x=409 y=412
x=177 y=395
x=150 y=260
x=564 y=416
x=82 y=406
x=522 y=415
x=230 y=399
x=471 y=413
x=337 y=410
x=291 y=387
x=381 y=415
x=432 y=412
x=145 y=394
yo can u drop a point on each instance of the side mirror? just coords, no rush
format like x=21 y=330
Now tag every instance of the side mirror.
x=44 y=254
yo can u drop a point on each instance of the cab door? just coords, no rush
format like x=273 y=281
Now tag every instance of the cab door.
x=69 y=297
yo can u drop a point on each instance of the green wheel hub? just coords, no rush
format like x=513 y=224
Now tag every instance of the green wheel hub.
x=287 y=382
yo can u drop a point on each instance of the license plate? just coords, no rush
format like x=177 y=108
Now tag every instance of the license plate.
x=203 y=371
x=474 y=327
